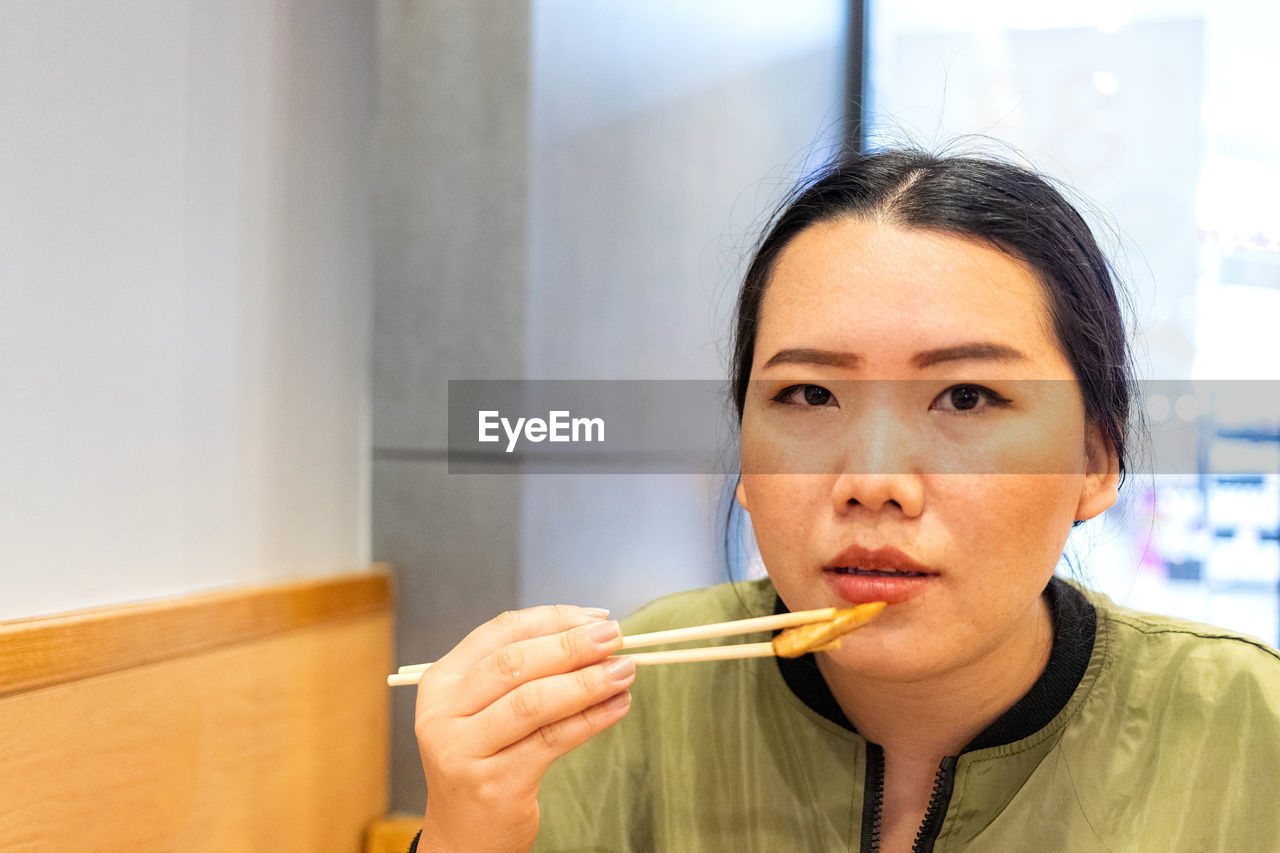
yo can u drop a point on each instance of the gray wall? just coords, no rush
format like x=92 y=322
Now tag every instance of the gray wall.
x=449 y=238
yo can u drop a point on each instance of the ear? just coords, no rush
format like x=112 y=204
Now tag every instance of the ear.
x=741 y=494
x=1102 y=475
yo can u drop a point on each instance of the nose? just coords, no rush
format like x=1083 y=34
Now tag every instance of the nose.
x=880 y=471
x=879 y=492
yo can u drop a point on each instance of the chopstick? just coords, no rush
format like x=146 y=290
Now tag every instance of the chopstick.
x=400 y=679
x=728 y=629
x=412 y=673
x=705 y=653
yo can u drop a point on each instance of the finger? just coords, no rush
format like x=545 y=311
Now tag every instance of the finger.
x=540 y=703
x=533 y=659
x=534 y=754
x=513 y=626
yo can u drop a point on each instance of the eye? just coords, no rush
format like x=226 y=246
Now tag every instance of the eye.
x=806 y=396
x=968 y=398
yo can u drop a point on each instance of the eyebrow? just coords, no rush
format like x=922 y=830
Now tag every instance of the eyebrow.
x=982 y=351
x=979 y=351
x=821 y=357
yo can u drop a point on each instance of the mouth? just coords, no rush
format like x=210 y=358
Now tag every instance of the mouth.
x=860 y=575
x=876 y=573
x=881 y=562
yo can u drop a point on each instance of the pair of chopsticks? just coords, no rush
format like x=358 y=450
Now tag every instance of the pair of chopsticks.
x=410 y=674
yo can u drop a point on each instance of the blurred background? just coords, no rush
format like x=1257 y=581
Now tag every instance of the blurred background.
x=244 y=245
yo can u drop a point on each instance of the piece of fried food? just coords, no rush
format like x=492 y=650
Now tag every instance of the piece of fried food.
x=802 y=639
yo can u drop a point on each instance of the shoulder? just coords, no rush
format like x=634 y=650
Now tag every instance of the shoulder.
x=691 y=696
x=1198 y=675
x=1150 y=638
x=658 y=689
x=608 y=793
x=1174 y=718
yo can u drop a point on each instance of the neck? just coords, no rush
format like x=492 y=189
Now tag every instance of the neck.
x=937 y=716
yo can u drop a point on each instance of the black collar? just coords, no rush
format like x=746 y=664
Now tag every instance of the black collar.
x=1074 y=626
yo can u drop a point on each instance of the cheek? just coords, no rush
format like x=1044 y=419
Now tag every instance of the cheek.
x=1024 y=519
x=1054 y=436
x=783 y=507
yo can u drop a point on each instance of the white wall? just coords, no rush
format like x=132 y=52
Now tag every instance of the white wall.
x=662 y=134
x=184 y=295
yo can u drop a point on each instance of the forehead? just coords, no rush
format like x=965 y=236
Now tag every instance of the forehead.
x=887 y=292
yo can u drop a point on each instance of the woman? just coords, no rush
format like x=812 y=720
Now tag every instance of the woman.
x=932 y=383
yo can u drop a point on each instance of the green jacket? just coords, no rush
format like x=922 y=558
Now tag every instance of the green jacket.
x=1144 y=734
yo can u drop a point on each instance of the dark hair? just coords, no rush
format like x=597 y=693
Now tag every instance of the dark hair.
x=1011 y=207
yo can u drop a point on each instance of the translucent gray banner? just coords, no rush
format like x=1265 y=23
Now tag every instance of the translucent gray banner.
x=998 y=426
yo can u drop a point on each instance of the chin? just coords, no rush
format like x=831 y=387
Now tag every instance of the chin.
x=884 y=655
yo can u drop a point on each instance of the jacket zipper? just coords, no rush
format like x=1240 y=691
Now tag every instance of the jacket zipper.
x=872 y=799
x=873 y=802
x=938 y=802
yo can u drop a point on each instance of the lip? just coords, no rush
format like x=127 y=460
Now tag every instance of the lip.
x=897 y=577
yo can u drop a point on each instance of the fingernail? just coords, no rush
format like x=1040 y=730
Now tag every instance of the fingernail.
x=618 y=702
x=620 y=669
x=604 y=632
x=596 y=612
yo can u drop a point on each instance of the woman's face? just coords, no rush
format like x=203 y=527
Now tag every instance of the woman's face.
x=948 y=484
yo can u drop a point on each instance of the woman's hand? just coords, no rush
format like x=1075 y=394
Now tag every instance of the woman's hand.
x=516 y=694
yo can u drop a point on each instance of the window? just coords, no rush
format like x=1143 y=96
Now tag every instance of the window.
x=1157 y=112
